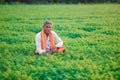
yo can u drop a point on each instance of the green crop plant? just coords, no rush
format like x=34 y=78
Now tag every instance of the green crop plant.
x=91 y=35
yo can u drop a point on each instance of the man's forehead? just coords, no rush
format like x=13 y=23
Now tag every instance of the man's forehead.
x=48 y=25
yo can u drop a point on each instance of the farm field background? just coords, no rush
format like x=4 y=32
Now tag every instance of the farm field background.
x=91 y=34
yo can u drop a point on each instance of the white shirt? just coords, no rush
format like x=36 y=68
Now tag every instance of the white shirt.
x=57 y=39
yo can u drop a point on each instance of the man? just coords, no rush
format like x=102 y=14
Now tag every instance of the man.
x=47 y=41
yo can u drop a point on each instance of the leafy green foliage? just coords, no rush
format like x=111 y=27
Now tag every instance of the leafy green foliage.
x=91 y=35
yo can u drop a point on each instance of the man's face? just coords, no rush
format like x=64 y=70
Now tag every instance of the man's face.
x=47 y=28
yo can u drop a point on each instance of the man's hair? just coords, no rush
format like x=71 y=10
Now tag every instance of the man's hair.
x=47 y=22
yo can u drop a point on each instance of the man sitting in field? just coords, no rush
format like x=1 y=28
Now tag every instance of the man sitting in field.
x=46 y=39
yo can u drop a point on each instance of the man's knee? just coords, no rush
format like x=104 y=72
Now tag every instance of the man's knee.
x=61 y=49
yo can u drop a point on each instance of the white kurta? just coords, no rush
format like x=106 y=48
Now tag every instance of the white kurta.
x=57 y=39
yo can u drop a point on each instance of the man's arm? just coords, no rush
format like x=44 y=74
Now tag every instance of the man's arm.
x=59 y=42
x=38 y=43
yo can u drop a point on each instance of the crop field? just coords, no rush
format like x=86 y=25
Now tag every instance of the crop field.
x=90 y=32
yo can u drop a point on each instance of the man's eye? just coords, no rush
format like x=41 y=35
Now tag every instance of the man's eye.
x=48 y=26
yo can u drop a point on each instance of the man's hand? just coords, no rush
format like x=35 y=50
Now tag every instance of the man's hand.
x=36 y=52
x=55 y=49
